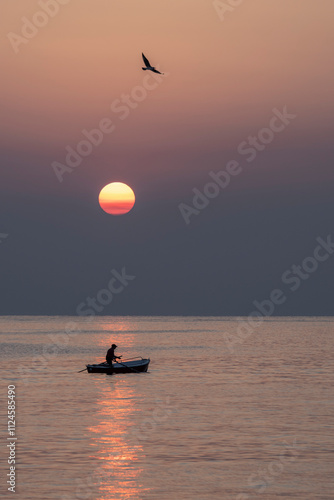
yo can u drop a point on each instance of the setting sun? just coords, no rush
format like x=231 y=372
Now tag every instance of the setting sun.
x=116 y=198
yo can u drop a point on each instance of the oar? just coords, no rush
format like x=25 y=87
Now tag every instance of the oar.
x=129 y=367
x=86 y=368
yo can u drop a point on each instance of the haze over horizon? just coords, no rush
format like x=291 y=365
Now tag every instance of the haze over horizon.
x=250 y=95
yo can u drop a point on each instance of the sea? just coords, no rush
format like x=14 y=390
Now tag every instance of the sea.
x=228 y=410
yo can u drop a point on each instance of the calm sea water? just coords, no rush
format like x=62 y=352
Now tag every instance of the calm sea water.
x=213 y=418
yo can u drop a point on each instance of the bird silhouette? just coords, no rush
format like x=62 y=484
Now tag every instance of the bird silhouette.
x=149 y=67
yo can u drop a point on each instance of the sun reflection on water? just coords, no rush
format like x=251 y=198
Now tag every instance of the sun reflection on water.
x=120 y=470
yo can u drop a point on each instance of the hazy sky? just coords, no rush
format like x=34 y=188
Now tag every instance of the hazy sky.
x=250 y=85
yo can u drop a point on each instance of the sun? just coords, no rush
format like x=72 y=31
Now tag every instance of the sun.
x=116 y=198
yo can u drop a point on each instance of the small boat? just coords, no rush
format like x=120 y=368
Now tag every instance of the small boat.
x=130 y=366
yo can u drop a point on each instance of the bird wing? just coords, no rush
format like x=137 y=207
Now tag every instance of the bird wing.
x=156 y=71
x=146 y=61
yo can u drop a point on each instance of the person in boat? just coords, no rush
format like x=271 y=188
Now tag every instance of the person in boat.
x=110 y=357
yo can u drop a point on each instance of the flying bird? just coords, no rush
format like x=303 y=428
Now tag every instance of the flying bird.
x=149 y=67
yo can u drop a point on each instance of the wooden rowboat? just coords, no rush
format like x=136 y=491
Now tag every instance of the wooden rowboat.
x=131 y=366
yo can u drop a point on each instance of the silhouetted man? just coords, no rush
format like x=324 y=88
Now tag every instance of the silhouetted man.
x=110 y=357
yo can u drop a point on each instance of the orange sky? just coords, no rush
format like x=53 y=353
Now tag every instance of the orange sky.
x=221 y=73
x=223 y=78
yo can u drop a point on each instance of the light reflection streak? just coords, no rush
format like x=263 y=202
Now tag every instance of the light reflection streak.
x=119 y=333
x=120 y=469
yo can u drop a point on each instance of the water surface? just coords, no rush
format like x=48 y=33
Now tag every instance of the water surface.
x=213 y=418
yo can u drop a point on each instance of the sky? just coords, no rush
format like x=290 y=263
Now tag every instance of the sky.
x=229 y=154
